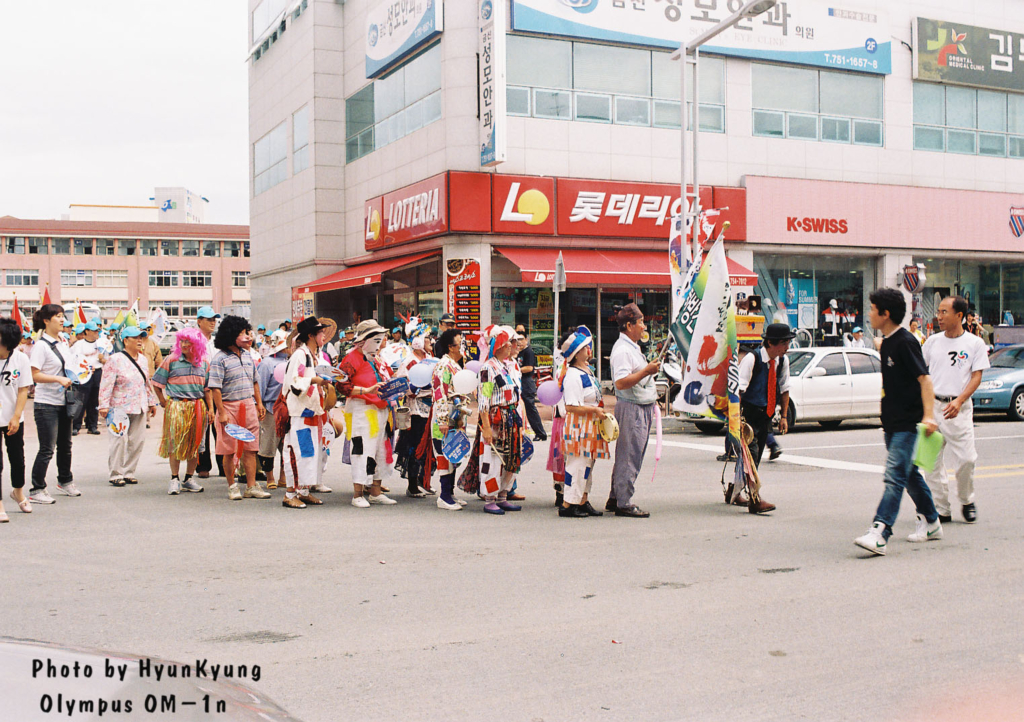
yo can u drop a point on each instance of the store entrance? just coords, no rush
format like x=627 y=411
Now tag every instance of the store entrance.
x=654 y=305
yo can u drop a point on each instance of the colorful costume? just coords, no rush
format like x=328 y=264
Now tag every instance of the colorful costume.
x=581 y=436
x=303 y=445
x=367 y=419
x=498 y=395
x=185 y=417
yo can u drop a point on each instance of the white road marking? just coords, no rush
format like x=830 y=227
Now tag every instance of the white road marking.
x=791 y=459
x=855 y=446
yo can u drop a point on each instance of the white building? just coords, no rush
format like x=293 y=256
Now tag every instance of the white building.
x=838 y=167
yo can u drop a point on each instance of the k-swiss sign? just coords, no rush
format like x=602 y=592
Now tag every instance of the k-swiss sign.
x=410 y=214
x=816 y=225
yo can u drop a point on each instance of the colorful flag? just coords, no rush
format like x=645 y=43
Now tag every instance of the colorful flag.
x=80 y=313
x=46 y=296
x=157 y=324
x=118 y=321
x=132 y=318
x=17 y=316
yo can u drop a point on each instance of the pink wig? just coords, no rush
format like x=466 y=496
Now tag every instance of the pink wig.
x=196 y=338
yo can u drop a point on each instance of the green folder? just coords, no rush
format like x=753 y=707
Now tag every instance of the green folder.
x=926 y=449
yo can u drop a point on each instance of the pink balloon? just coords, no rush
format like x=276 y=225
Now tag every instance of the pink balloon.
x=474 y=366
x=279 y=373
x=548 y=393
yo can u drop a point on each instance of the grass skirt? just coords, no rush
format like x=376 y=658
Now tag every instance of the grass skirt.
x=184 y=424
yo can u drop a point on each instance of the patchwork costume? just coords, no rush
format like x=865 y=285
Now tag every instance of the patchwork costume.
x=304 y=454
x=498 y=396
x=582 y=443
x=367 y=419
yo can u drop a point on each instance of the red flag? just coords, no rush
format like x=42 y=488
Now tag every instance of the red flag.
x=46 y=296
x=16 y=315
x=80 y=313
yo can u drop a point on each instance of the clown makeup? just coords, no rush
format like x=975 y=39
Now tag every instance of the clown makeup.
x=244 y=340
x=372 y=344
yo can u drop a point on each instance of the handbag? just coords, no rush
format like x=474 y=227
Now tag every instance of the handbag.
x=74 y=399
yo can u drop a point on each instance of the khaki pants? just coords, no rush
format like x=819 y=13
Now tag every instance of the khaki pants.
x=125 y=451
x=958 y=448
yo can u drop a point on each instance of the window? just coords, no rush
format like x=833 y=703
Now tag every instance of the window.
x=860 y=363
x=169 y=307
x=394 y=106
x=833 y=364
x=197 y=279
x=245 y=249
x=83 y=246
x=300 y=139
x=23 y=278
x=270 y=159
x=37 y=246
x=952 y=119
x=239 y=279
x=126 y=248
x=808 y=104
x=112 y=279
x=211 y=249
x=163 y=279
x=148 y=248
x=16 y=245
x=566 y=80
x=190 y=248
x=190 y=310
x=232 y=249
x=62 y=246
x=168 y=248
x=75 y=278
x=104 y=247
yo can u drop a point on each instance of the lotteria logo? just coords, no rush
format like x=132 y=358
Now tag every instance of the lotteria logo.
x=373 y=225
x=581 y=6
x=816 y=225
x=413 y=211
x=946 y=49
x=532 y=207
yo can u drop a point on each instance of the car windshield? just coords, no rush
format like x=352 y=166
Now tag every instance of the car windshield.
x=798 y=361
x=1007 y=358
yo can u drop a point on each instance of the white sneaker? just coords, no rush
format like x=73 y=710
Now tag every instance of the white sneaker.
x=41 y=497
x=382 y=498
x=442 y=504
x=69 y=489
x=873 y=541
x=461 y=502
x=360 y=502
x=234 y=493
x=174 y=488
x=925 y=531
x=321 y=489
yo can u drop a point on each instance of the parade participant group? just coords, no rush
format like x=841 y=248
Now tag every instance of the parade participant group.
x=292 y=407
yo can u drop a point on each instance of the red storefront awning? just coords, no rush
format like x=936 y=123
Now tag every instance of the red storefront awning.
x=618 y=268
x=361 y=275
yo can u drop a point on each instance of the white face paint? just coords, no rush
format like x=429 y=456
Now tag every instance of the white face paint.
x=372 y=345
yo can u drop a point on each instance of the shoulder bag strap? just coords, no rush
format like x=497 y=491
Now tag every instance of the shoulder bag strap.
x=145 y=379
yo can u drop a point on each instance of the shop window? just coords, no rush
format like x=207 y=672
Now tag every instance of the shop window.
x=953 y=119
x=809 y=104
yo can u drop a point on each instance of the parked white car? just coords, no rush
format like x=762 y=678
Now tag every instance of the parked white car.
x=830 y=385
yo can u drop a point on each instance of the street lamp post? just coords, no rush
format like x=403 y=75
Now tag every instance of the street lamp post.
x=751 y=8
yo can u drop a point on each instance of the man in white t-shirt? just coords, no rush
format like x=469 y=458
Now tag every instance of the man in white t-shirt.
x=87 y=347
x=15 y=381
x=955 y=361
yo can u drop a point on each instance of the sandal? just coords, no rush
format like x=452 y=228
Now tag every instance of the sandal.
x=130 y=480
x=25 y=505
x=117 y=482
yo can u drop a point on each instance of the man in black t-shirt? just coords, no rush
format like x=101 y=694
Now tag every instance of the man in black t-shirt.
x=528 y=365
x=907 y=400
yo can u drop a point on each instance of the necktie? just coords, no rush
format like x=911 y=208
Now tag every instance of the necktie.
x=772 y=384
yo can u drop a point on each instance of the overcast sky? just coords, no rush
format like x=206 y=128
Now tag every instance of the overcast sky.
x=103 y=100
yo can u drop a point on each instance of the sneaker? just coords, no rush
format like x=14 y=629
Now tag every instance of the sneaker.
x=442 y=504
x=873 y=541
x=191 y=485
x=69 y=489
x=970 y=513
x=234 y=493
x=425 y=490
x=256 y=492
x=382 y=498
x=925 y=531
x=360 y=502
x=39 y=496
x=175 y=486
x=776 y=453
x=322 y=489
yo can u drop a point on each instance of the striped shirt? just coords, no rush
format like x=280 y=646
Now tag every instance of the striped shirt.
x=180 y=379
x=234 y=375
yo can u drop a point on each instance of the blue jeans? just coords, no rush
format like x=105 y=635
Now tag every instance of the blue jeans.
x=53 y=427
x=900 y=474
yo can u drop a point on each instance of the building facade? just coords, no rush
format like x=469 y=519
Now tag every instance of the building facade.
x=176 y=266
x=850 y=148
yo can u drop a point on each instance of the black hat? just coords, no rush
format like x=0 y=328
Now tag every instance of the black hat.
x=309 y=326
x=779 y=332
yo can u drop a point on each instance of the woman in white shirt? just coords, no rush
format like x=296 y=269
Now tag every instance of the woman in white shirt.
x=15 y=381
x=50 y=358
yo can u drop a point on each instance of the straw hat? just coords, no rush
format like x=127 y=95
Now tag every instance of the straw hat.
x=330 y=328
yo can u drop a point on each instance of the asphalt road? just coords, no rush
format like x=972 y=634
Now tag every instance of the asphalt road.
x=702 y=611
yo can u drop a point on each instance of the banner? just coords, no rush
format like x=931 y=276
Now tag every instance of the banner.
x=493 y=131
x=968 y=55
x=809 y=32
x=396 y=28
x=462 y=293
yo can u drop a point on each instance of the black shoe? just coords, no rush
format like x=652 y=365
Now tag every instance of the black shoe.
x=776 y=453
x=75 y=432
x=261 y=476
x=970 y=513
x=726 y=457
x=93 y=432
x=541 y=437
x=946 y=519
x=573 y=511
x=611 y=505
x=558 y=499
x=633 y=511
x=591 y=511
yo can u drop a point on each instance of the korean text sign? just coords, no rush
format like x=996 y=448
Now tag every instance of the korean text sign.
x=967 y=55
x=396 y=28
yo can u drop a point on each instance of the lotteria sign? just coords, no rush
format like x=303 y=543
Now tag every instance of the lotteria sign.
x=809 y=32
x=412 y=213
x=397 y=28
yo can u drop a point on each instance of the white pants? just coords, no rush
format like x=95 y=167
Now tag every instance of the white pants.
x=125 y=451
x=579 y=475
x=303 y=455
x=365 y=427
x=958 y=440
x=494 y=480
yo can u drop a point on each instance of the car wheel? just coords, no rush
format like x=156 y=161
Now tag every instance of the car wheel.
x=791 y=416
x=1016 y=410
x=709 y=427
x=831 y=423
